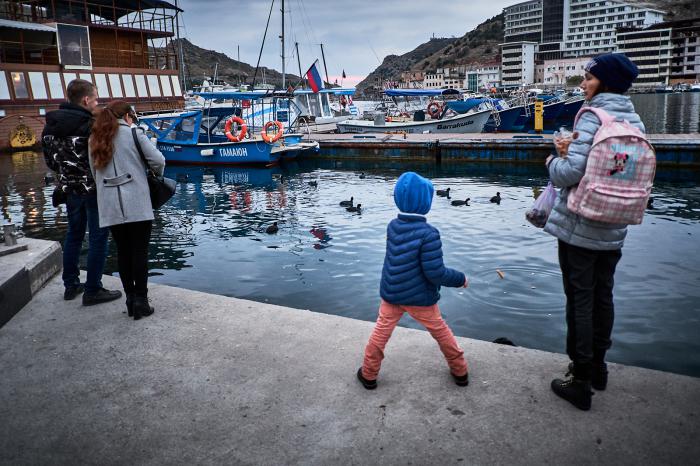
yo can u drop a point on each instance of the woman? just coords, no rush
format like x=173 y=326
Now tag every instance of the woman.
x=588 y=250
x=123 y=198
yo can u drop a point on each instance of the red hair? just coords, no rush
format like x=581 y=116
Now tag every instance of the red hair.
x=103 y=131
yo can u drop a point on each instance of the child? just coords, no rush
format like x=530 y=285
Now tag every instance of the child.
x=589 y=250
x=412 y=275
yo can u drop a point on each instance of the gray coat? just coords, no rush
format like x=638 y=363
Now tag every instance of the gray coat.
x=567 y=172
x=122 y=188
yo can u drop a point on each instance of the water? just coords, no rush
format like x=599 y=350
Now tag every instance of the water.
x=677 y=113
x=210 y=237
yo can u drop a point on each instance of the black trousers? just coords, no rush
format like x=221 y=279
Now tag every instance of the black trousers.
x=132 y=255
x=588 y=284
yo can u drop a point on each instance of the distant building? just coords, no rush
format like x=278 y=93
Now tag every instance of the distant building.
x=518 y=63
x=412 y=79
x=557 y=72
x=434 y=81
x=483 y=78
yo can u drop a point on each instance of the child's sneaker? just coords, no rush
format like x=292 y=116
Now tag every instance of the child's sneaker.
x=462 y=380
x=368 y=384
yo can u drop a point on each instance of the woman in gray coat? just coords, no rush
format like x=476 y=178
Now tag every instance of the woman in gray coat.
x=588 y=250
x=123 y=197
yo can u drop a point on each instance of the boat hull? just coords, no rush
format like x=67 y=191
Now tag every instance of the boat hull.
x=463 y=123
x=507 y=120
x=254 y=152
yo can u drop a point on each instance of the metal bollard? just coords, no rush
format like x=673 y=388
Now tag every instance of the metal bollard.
x=8 y=231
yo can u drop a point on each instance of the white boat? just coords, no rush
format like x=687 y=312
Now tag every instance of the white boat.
x=695 y=87
x=462 y=123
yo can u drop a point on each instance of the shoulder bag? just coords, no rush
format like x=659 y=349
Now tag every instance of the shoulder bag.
x=161 y=188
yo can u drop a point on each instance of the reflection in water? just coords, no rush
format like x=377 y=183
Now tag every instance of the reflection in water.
x=210 y=237
x=669 y=113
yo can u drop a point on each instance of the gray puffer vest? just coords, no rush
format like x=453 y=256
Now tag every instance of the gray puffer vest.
x=567 y=172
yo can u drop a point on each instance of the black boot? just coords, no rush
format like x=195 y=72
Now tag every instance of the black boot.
x=141 y=306
x=575 y=391
x=599 y=375
x=100 y=296
x=130 y=304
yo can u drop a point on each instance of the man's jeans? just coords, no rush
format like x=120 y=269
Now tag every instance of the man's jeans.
x=82 y=212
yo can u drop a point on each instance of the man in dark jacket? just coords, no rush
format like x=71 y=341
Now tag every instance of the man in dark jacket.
x=65 y=144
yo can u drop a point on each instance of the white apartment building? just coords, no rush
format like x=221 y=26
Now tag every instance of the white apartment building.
x=523 y=22
x=556 y=72
x=518 y=63
x=484 y=77
x=434 y=81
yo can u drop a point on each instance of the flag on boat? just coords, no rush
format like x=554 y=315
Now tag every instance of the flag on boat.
x=344 y=76
x=314 y=78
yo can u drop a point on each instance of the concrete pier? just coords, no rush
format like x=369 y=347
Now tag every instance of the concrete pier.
x=215 y=380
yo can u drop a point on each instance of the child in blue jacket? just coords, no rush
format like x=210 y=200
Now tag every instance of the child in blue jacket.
x=411 y=278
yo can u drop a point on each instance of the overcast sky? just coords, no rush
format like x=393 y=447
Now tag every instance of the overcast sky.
x=356 y=34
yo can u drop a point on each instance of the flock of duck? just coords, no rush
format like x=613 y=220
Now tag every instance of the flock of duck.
x=446 y=193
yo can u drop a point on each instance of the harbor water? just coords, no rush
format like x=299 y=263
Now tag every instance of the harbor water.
x=210 y=237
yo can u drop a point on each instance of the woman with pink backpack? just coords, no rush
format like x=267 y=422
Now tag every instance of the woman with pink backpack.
x=605 y=175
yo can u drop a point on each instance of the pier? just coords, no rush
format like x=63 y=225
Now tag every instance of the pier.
x=217 y=380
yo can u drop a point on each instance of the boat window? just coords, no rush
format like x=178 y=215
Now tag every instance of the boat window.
x=86 y=77
x=101 y=83
x=128 y=81
x=68 y=77
x=314 y=105
x=326 y=105
x=141 y=85
x=20 y=85
x=116 y=85
x=153 y=85
x=177 y=91
x=4 y=89
x=165 y=85
x=36 y=79
x=55 y=86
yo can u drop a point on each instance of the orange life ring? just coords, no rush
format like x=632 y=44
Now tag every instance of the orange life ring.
x=405 y=115
x=266 y=135
x=233 y=136
x=434 y=109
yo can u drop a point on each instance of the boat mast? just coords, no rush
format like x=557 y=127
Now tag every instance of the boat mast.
x=296 y=45
x=284 y=86
x=324 y=64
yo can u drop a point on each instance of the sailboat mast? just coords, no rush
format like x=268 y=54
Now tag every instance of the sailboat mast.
x=324 y=64
x=284 y=86
x=296 y=45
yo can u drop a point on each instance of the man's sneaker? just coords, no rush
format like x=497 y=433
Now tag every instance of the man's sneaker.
x=599 y=375
x=100 y=296
x=72 y=292
x=575 y=391
x=368 y=384
x=462 y=381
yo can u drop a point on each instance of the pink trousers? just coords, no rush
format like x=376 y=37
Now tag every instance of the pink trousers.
x=430 y=318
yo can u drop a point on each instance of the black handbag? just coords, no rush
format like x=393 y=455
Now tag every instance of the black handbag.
x=58 y=197
x=161 y=188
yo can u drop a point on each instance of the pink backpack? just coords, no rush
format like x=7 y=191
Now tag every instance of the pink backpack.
x=619 y=173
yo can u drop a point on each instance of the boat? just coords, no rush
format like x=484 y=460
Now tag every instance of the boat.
x=695 y=87
x=471 y=122
x=663 y=89
x=502 y=118
x=568 y=114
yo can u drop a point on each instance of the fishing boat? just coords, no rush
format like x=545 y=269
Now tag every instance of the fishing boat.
x=470 y=122
x=695 y=87
x=503 y=115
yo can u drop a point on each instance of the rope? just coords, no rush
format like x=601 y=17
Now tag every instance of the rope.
x=257 y=65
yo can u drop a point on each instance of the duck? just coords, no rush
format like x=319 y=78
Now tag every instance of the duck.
x=272 y=229
x=347 y=203
x=650 y=203
x=362 y=175
x=464 y=202
x=313 y=183
x=356 y=208
x=496 y=199
x=443 y=192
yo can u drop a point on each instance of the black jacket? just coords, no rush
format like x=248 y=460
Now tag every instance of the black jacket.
x=65 y=144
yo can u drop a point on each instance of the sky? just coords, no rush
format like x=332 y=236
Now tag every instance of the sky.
x=356 y=34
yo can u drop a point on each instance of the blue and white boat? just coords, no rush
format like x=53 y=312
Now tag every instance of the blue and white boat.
x=503 y=115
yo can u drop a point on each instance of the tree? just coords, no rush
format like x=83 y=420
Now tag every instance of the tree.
x=574 y=81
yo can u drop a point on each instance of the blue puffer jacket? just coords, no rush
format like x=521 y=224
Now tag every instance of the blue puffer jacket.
x=567 y=172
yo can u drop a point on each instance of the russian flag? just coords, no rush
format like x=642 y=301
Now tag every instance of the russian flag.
x=314 y=78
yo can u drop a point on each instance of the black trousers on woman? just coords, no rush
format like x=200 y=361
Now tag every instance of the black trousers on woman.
x=588 y=285
x=132 y=241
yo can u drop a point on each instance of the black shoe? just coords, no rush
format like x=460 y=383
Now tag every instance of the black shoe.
x=141 y=307
x=599 y=376
x=575 y=391
x=368 y=384
x=100 y=296
x=462 y=381
x=130 y=304
x=72 y=292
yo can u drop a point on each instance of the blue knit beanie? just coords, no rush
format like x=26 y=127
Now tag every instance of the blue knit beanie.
x=614 y=70
x=413 y=194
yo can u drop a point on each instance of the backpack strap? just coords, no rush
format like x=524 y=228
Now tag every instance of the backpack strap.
x=602 y=115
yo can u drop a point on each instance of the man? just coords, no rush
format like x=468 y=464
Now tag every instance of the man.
x=65 y=144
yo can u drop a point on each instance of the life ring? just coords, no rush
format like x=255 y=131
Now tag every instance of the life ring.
x=434 y=109
x=233 y=136
x=405 y=115
x=266 y=135
x=343 y=101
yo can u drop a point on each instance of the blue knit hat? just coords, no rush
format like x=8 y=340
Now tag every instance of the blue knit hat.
x=413 y=194
x=614 y=70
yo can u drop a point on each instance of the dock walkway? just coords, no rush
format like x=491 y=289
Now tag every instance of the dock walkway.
x=215 y=380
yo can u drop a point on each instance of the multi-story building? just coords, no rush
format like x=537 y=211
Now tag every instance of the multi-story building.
x=124 y=48
x=558 y=72
x=523 y=22
x=483 y=77
x=434 y=81
x=517 y=63
x=412 y=79
x=685 y=59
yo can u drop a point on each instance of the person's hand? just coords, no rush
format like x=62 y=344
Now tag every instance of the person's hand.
x=562 y=145
x=466 y=282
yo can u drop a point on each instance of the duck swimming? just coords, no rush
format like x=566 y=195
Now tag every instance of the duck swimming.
x=496 y=199
x=347 y=203
x=443 y=192
x=464 y=202
x=362 y=175
x=272 y=229
x=356 y=208
x=313 y=183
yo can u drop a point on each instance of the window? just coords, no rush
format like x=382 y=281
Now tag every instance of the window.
x=153 y=85
x=68 y=77
x=86 y=77
x=4 y=89
x=101 y=83
x=128 y=81
x=165 y=85
x=36 y=79
x=116 y=85
x=19 y=84
x=55 y=86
